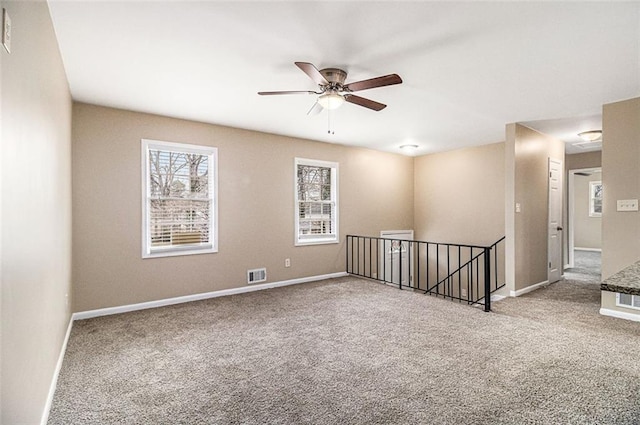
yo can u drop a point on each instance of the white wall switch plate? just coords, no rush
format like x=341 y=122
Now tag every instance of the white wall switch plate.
x=6 y=30
x=518 y=209
x=627 y=205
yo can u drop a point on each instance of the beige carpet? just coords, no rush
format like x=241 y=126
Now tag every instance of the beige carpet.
x=350 y=351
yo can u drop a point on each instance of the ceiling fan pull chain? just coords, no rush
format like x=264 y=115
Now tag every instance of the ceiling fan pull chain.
x=329 y=131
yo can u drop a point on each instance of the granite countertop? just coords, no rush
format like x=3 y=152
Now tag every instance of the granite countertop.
x=626 y=281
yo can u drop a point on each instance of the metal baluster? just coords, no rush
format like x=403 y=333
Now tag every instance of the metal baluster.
x=487 y=280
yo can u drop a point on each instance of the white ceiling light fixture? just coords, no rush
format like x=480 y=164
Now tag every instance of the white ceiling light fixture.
x=331 y=100
x=591 y=136
x=410 y=149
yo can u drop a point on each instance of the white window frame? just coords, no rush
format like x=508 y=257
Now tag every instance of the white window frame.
x=302 y=240
x=212 y=154
x=592 y=212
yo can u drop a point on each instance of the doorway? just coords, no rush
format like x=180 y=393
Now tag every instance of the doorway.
x=584 y=236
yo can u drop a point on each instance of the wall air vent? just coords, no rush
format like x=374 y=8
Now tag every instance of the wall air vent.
x=256 y=275
x=628 y=300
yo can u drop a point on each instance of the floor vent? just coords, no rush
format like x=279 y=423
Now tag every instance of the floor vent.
x=256 y=275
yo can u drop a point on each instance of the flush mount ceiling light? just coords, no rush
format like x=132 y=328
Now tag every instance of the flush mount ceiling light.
x=331 y=100
x=591 y=136
x=409 y=148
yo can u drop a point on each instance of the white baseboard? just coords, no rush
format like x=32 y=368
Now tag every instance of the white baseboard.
x=528 y=289
x=495 y=297
x=56 y=373
x=588 y=249
x=620 y=314
x=197 y=297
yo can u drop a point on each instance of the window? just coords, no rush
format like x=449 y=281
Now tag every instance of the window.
x=316 y=202
x=595 y=199
x=179 y=206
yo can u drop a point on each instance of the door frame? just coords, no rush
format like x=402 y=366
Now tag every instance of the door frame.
x=571 y=212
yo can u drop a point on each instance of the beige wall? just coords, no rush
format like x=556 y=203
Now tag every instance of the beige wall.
x=583 y=160
x=529 y=152
x=256 y=211
x=621 y=180
x=587 y=230
x=36 y=212
x=459 y=195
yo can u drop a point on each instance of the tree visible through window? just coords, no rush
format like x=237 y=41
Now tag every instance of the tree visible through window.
x=595 y=199
x=316 y=202
x=179 y=203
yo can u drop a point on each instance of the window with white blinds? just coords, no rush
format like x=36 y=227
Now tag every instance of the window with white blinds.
x=316 y=218
x=179 y=199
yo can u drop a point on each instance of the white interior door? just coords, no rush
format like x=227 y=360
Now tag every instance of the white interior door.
x=555 y=220
x=395 y=270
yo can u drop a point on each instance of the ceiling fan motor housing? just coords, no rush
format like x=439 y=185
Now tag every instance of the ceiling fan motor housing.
x=334 y=75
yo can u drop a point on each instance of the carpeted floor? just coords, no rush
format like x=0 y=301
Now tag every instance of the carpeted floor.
x=350 y=351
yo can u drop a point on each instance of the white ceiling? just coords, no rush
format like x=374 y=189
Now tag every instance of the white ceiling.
x=468 y=68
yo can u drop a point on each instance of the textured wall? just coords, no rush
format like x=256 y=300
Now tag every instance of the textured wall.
x=621 y=179
x=256 y=207
x=36 y=212
x=459 y=195
x=527 y=157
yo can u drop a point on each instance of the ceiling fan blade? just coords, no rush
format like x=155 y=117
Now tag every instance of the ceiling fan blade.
x=315 y=109
x=312 y=72
x=270 y=93
x=367 y=103
x=387 y=80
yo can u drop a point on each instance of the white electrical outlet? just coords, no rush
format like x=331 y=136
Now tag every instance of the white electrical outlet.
x=627 y=205
x=287 y=262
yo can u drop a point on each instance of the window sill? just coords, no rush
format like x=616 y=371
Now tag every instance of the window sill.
x=173 y=252
x=305 y=242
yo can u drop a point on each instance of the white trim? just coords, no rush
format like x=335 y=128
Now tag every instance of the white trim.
x=588 y=249
x=56 y=373
x=528 y=289
x=496 y=297
x=620 y=314
x=202 y=296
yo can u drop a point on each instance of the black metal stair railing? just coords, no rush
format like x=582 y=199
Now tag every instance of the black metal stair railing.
x=465 y=273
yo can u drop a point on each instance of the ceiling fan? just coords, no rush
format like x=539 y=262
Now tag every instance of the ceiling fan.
x=333 y=92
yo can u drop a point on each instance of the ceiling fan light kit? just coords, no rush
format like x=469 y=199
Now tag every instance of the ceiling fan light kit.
x=332 y=90
x=331 y=100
